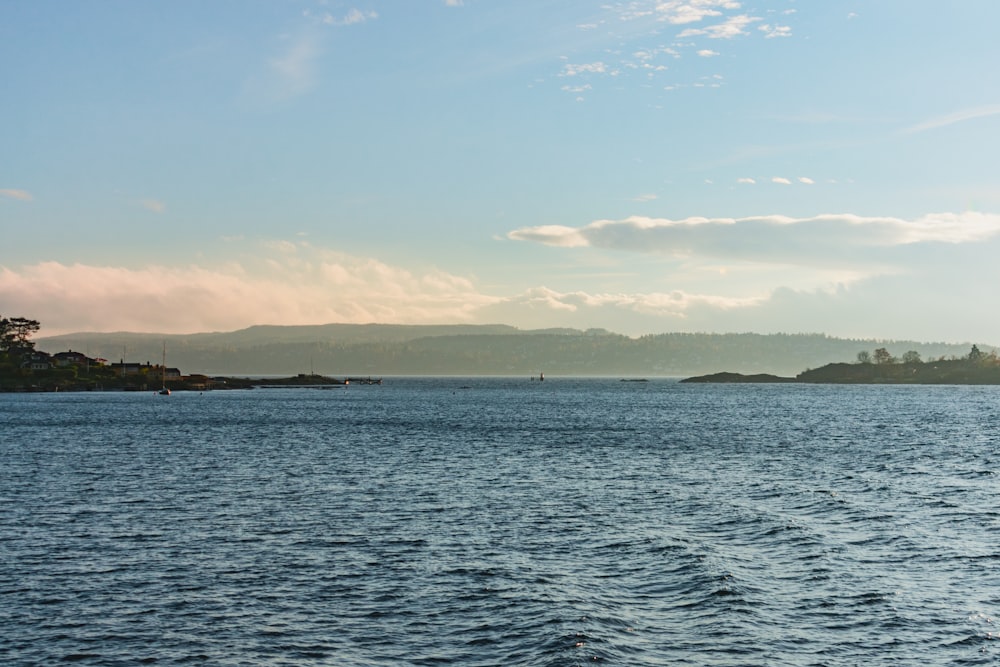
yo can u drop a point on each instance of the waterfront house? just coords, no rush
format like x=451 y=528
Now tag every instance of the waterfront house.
x=36 y=360
x=71 y=358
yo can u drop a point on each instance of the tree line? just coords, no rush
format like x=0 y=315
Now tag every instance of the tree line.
x=881 y=357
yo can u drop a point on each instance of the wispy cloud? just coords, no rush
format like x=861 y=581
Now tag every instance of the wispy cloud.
x=707 y=53
x=289 y=74
x=294 y=70
x=781 y=180
x=154 y=205
x=645 y=197
x=805 y=180
x=746 y=181
x=952 y=118
x=20 y=195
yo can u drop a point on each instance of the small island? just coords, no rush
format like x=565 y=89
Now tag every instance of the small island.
x=882 y=368
x=739 y=378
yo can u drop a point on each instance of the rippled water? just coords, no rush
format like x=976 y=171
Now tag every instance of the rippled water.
x=503 y=522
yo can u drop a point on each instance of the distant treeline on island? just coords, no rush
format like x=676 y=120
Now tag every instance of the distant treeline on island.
x=977 y=367
x=379 y=349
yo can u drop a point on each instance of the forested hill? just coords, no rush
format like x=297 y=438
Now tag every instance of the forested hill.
x=374 y=349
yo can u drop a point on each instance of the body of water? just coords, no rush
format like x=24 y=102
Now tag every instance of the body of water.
x=489 y=521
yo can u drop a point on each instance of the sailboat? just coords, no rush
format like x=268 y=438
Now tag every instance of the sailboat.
x=163 y=371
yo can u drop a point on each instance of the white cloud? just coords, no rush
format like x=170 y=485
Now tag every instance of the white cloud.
x=746 y=181
x=281 y=246
x=806 y=180
x=780 y=180
x=772 y=31
x=681 y=12
x=355 y=16
x=684 y=13
x=883 y=306
x=453 y=3
x=688 y=12
x=876 y=307
x=711 y=19
x=834 y=240
x=646 y=56
x=655 y=303
x=296 y=283
x=20 y=195
x=287 y=284
x=631 y=313
x=734 y=26
x=555 y=235
x=586 y=68
x=843 y=275
x=645 y=197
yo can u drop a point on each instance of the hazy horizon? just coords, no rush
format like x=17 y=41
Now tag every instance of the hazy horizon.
x=643 y=167
x=519 y=330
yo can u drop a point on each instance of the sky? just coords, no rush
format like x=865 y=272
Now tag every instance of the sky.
x=646 y=166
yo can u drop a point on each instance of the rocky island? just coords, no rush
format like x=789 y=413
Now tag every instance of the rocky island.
x=882 y=368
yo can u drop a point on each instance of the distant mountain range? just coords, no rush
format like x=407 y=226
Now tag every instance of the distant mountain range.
x=389 y=349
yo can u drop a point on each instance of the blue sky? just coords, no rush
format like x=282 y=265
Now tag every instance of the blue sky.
x=641 y=166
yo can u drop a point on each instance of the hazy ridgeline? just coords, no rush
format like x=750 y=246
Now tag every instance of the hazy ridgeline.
x=482 y=350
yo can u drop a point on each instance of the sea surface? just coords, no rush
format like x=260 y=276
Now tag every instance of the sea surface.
x=502 y=521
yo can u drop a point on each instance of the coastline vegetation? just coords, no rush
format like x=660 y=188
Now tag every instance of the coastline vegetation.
x=25 y=369
x=362 y=350
x=881 y=367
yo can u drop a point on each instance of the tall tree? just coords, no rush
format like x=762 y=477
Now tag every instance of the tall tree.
x=882 y=356
x=16 y=332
